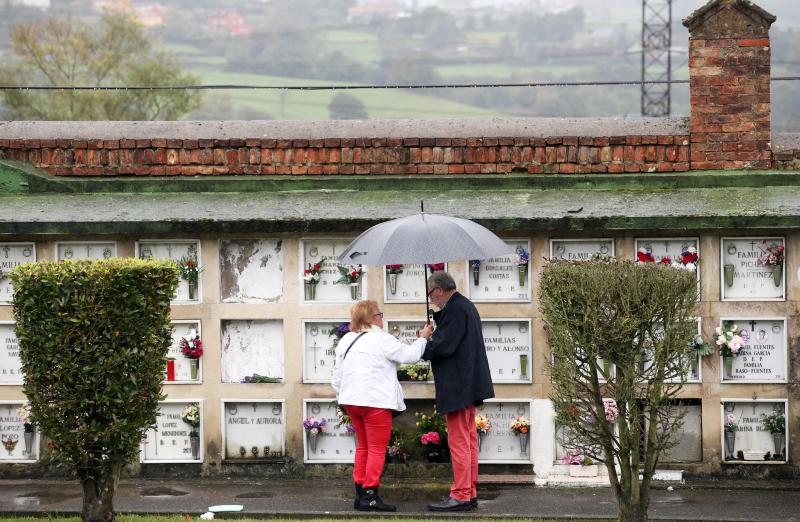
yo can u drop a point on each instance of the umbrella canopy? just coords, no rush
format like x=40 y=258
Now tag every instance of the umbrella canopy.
x=424 y=238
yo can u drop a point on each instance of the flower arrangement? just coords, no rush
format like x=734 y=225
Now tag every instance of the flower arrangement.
x=643 y=256
x=730 y=423
x=191 y=345
x=775 y=422
x=260 y=379
x=575 y=458
x=314 y=426
x=433 y=422
x=610 y=409
x=665 y=261
x=311 y=274
x=416 y=371
x=350 y=274
x=24 y=413
x=483 y=424
x=520 y=425
x=773 y=256
x=344 y=419
x=605 y=258
x=688 y=259
x=189 y=270
x=394 y=269
x=730 y=340
x=191 y=416
x=396 y=451
x=436 y=267
x=431 y=437
x=339 y=332
x=523 y=256
x=698 y=346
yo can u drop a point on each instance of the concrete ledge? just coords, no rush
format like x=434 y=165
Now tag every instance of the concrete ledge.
x=309 y=130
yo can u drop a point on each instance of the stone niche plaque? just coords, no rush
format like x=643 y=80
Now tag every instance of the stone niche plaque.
x=11 y=255
x=183 y=372
x=406 y=331
x=501 y=445
x=170 y=441
x=336 y=445
x=319 y=355
x=174 y=250
x=763 y=357
x=253 y=430
x=751 y=437
x=690 y=437
x=325 y=252
x=17 y=446
x=10 y=365
x=742 y=278
x=498 y=279
x=409 y=286
x=509 y=349
x=251 y=347
x=76 y=250
x=251 y=270
x=580 y=249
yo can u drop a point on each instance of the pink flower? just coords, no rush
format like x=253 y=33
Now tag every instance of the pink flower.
x=731 y=417
x=431 y=437
x=735 y=344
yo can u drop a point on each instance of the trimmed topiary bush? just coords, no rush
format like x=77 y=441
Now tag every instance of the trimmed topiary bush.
x=93 y=338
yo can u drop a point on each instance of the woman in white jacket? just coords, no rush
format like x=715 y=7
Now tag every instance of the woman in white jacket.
x=365 y=380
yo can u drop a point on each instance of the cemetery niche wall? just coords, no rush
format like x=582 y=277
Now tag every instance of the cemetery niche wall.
x=754 y=431
x=253 y=430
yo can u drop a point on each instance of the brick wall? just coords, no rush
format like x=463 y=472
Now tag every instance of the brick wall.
x=473 y=155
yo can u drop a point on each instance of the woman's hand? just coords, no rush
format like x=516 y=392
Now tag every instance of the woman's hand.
x=426 y=332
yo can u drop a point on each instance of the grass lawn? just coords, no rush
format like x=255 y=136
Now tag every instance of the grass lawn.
x=184 y=518
x=302 y=105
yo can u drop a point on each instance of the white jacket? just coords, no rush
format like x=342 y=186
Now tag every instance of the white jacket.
x=368 y=376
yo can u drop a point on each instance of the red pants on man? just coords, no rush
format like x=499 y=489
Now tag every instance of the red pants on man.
x=462 y=438
x=373 y=429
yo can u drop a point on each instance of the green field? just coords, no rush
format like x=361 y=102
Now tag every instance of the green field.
x=184 y=518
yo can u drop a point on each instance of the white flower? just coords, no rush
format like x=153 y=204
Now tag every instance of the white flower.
x=690 y=266
x=718 y=331
x=721 y=340
x=207 y=516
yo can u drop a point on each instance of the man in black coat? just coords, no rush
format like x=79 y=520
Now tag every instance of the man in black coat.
x=463 y=381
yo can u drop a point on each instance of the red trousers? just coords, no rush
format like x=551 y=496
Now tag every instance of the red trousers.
x=462 y=438
x=373 y=429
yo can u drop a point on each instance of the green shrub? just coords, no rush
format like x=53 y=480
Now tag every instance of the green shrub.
x=93 y=339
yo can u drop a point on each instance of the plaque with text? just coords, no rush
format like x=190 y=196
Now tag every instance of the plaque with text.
x=182 y=364
x=10 y=365
x=406 y=331
x=501 y=279
x=175 y=251
x=252 y=349
x=86 y=250
x=580 y=249
x=254 y=430
x=509 y=349
x=325 y=252
x=750 y=437
x=251 y=270
x=17 y=444
x=320 y=346
x=762 y=359
x=407 y=286
x=170 y=441
x=744 y=277
x=336 y=444
x=501 y=444
x=11 y=255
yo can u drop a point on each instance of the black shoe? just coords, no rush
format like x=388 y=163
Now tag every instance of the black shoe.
x=370 y=501
x=359 y=493
x=451 y=504
x=473 y=502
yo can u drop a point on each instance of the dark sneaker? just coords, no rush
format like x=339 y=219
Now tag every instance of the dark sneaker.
x=370 y=501
x=451 y=504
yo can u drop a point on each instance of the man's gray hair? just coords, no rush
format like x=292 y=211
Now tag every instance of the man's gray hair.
x=441 y=280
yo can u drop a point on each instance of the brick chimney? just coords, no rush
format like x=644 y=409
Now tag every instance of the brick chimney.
x=729 y=71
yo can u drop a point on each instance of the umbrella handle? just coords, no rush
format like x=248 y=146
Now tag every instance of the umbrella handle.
x=427 y=306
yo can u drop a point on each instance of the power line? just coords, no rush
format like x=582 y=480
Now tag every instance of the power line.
x=347 y=87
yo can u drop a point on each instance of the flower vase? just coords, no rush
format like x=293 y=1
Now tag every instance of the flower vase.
x=730 y=443
x=194 y=439
x=523 y=366
x=481 y=435
x=728 y=269
x=393 y=284
x=777 y=439
x=170 y=369
x=311 y=291
x=523 y=444
x=476 y=275
x=192 y=290
x=694 y=366
x=312 y=441
x=434 y=453
x=193 y=365
x=355 y=290
x=580 y=471
x=777 y=274
x=607 y=369
x=728 y=367
x=28 y=436
x=522 y=272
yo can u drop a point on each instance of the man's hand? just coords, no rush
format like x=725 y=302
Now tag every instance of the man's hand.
x=426 y=331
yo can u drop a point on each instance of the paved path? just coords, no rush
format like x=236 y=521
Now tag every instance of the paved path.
x=776 y=501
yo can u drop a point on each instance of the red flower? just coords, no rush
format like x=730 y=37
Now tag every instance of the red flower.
x=316 y=266
x=307 y=271
x=644 y=257
x=665 y=261
x=689 y=258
